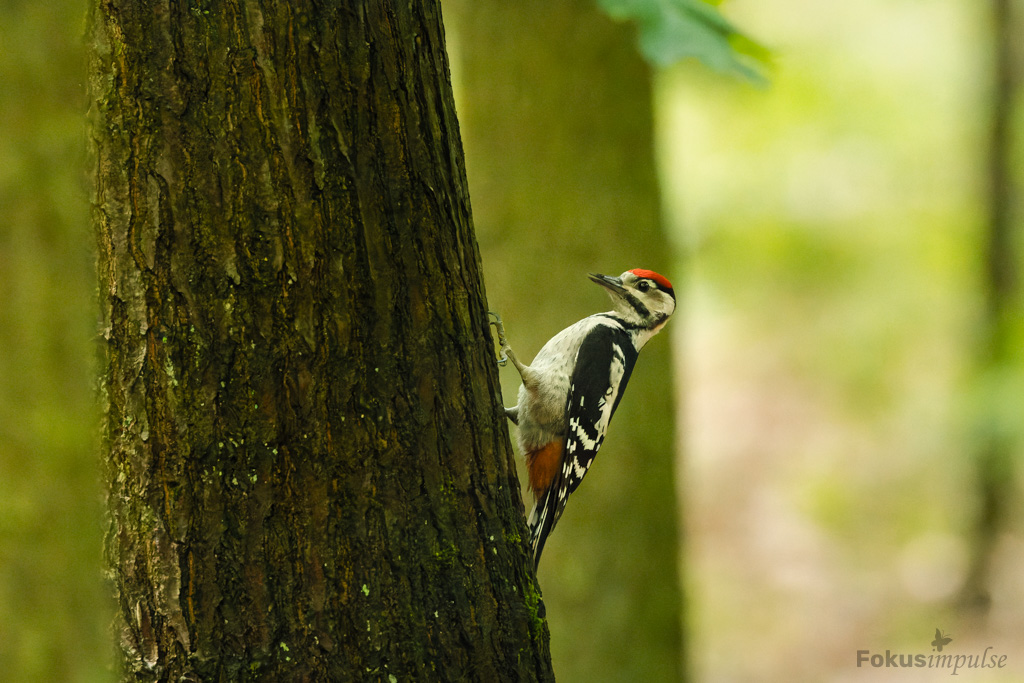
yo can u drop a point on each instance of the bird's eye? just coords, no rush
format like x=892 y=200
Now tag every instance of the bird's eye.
x=643 y=285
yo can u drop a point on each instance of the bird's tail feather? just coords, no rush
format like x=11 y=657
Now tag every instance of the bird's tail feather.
x=541 y=522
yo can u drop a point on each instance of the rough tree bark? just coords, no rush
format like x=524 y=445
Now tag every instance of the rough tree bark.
x=309 y=474
x=558 y=123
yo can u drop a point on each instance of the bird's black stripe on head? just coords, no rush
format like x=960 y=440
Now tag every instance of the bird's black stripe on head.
x=641 y=310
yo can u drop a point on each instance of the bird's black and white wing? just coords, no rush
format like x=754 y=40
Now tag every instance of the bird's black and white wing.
x=603 y=366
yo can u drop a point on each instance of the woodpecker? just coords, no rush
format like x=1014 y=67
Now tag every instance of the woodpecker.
x=572 y=388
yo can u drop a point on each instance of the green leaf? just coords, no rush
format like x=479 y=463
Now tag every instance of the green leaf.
x=672 y=30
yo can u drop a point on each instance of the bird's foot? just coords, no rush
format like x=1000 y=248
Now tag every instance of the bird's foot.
x=499 y=328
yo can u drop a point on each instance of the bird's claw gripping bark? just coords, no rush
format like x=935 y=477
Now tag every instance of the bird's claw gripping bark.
x=499 y=328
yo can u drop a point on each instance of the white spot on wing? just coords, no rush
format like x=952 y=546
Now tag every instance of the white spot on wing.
x=580 y=471
x=580 y=434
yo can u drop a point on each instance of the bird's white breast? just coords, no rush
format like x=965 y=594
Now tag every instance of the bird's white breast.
x=542 y=407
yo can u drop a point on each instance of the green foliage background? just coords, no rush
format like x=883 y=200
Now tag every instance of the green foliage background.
x=834 y=226
x=53 y=613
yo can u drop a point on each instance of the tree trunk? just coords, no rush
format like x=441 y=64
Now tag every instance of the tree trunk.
x=556 y=111
x=998 y=354
x=310 y=476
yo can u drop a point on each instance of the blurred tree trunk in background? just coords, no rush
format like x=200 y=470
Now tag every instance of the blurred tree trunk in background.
x=53 y=616
x=556 y=111
x=310 y=476
x=999 y=345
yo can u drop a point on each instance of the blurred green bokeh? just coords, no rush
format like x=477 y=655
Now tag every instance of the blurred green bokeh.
x=835 y=226
x=53 y=615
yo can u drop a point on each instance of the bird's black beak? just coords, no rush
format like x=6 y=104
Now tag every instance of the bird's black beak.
x=612 y=284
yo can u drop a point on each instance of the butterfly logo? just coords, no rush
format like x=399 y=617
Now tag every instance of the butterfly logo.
x=941 y=640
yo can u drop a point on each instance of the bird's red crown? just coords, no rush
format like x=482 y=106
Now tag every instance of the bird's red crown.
x=651 y=275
